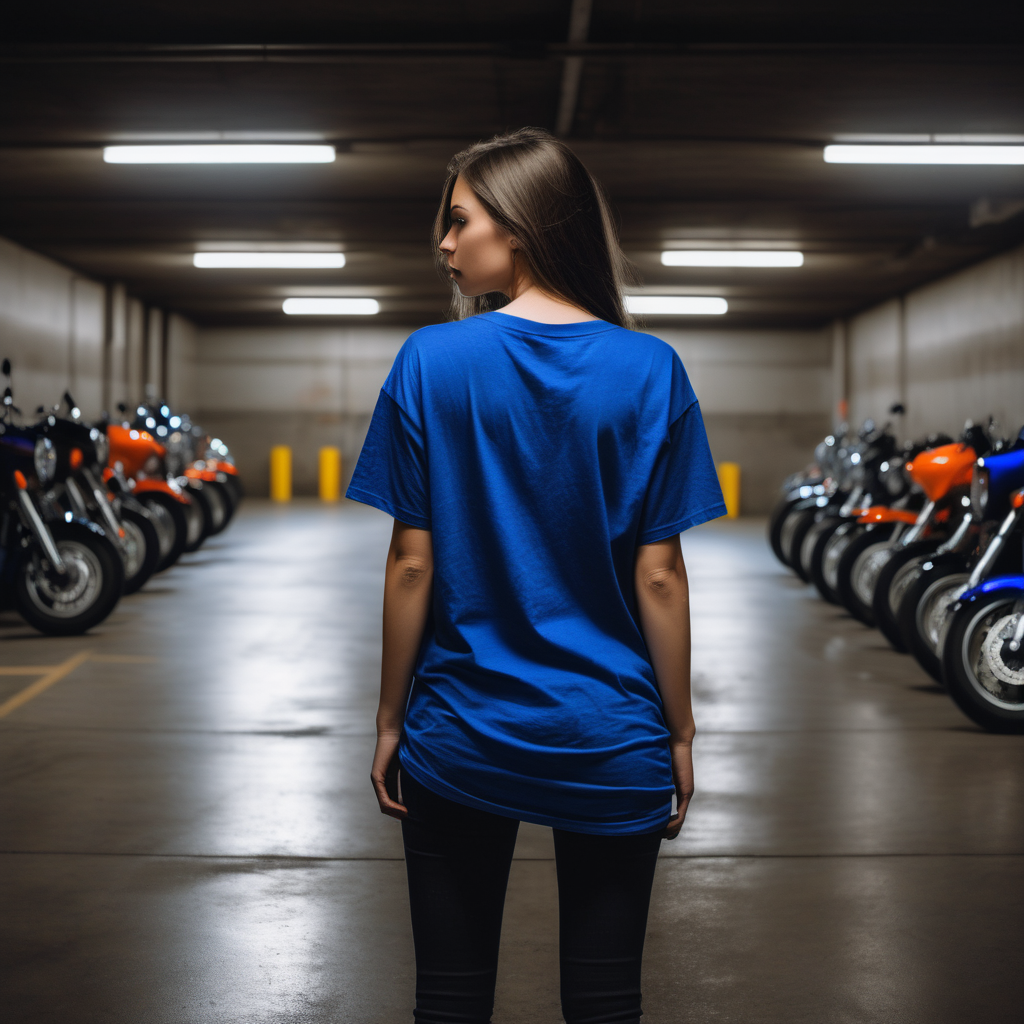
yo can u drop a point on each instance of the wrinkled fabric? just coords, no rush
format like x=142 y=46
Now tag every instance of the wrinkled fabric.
x=539 y=456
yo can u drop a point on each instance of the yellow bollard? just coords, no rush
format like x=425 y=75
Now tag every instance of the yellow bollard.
x=729 y=481
x=330 y=473
x=281 y=473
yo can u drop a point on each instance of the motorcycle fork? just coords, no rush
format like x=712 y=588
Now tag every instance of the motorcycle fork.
x=34 y=523
x=995 y=546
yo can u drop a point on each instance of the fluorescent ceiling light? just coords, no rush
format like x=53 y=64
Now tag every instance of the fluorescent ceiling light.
x=263 y=153
x=262 y=260
x=676 y=305
x=924 y=154
x=331 y=307
x=732 y=258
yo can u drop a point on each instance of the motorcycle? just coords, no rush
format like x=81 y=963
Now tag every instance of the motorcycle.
x=78 y=487
x=60 y=571
x=205 y=480
x=988 y=541
x=983 y=653
x=136 y=468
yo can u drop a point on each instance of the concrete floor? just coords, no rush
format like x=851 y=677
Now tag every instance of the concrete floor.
x=187 y=832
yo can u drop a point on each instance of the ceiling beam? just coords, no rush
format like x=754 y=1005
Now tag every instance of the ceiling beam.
x=572 y=69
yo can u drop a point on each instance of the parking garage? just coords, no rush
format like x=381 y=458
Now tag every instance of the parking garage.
x=215 y=238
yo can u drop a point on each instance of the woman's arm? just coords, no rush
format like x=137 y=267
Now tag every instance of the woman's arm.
x=408 y=579
x=663 y=600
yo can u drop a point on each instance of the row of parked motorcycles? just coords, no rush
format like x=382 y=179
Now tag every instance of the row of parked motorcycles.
x=923 y=541
x=89 y=512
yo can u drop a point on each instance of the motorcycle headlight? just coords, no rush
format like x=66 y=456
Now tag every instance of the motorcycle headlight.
x=979 y=488
x=99 y=439
x=45 y=458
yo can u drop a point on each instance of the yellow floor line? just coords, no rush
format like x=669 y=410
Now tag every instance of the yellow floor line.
x=123 y=659
x=53 y=675
x=26 y=670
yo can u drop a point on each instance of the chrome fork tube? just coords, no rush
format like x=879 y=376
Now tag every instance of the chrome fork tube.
x=956 y=540
x=42 y=532
x=100 y=496
x=991 y=553
x=924 y=517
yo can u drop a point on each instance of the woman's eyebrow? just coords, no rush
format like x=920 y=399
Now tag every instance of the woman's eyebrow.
x=455 y=206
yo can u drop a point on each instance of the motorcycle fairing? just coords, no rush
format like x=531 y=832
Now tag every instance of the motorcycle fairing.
x=938 y=470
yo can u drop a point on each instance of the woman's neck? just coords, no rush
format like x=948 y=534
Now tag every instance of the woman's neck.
x=531 y=303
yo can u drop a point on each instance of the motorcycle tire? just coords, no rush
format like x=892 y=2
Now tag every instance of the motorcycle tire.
x=95 y=579
x=983 y=676
x=923 y=615
x=775 y=521
x=796 y=529
x=858 y=567
x=222 y=507
x=829 y=545
x=895 y=579
x=170 y=514
x=143 y=548
x=201 y=524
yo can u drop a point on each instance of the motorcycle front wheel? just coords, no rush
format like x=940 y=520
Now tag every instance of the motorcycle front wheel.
x=775 y=521
x=172 y=526
x=142 y=548
x=820 y=539
x=984 y=677
x=898 y=575
x=200 y=518
x=865 y=555
x=80 y=599
x=923 y=614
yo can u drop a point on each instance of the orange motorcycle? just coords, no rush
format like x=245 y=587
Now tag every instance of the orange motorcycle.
x=876 y=572
x=137 y=467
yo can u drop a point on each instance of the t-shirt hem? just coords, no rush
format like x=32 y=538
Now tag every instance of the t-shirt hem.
x=426 y=778
x=672 y=529
x=403 y=515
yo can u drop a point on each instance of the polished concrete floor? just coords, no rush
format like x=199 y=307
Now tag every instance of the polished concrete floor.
x=187 y=832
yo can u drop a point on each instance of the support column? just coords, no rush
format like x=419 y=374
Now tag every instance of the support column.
x=840 y=374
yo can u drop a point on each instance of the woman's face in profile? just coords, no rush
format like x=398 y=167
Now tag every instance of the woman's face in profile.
x=478 y=251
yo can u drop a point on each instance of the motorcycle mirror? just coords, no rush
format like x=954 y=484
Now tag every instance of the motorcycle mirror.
x=68 y=400
x=121 y=407
x=6 y=368
x=40 y=410
x=898 y=409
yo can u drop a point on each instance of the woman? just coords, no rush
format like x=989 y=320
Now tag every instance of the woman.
x=540 y=460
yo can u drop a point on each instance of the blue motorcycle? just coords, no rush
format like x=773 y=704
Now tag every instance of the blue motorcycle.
x=983 y=649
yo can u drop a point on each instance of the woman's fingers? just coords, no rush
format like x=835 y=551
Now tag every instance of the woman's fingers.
x=387 y=805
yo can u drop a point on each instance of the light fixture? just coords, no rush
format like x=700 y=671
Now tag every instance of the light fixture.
x=676 y=305
x=261 y=153
x=924 y=154
x=267 y=260
x=331 y=307
x=732 y=258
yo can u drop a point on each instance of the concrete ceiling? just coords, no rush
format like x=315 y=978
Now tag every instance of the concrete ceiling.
x=704 y=121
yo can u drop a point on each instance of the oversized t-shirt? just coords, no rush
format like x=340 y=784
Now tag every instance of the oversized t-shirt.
x=539 y=456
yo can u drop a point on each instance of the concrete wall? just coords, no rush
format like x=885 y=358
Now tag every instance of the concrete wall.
x=305 y=387
x=951 y=350
x=766 y=396
x=52 y=328
x=63 y=331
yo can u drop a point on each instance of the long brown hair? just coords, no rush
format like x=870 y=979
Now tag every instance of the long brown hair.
x=535 y=188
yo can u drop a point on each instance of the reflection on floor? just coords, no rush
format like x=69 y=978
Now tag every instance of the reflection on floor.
x=188 y=833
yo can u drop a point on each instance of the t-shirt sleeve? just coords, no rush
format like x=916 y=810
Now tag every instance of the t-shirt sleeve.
x=683 y=489
x=391 y=473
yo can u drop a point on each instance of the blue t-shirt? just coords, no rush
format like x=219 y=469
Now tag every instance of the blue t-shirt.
x=539 y=456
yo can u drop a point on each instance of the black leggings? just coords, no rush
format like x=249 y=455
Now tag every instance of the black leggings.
x=458 y=860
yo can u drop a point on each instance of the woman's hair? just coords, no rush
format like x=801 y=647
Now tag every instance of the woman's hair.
x=536 y=189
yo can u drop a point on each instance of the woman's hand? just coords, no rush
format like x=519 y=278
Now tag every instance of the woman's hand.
x=385 y=772
x=682 y=774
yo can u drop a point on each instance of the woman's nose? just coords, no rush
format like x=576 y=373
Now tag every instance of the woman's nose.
x=448 y=243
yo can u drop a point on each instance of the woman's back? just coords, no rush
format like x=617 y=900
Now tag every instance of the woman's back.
x=539 y=456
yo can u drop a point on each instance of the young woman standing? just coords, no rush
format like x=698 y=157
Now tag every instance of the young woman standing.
x=540 y=460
